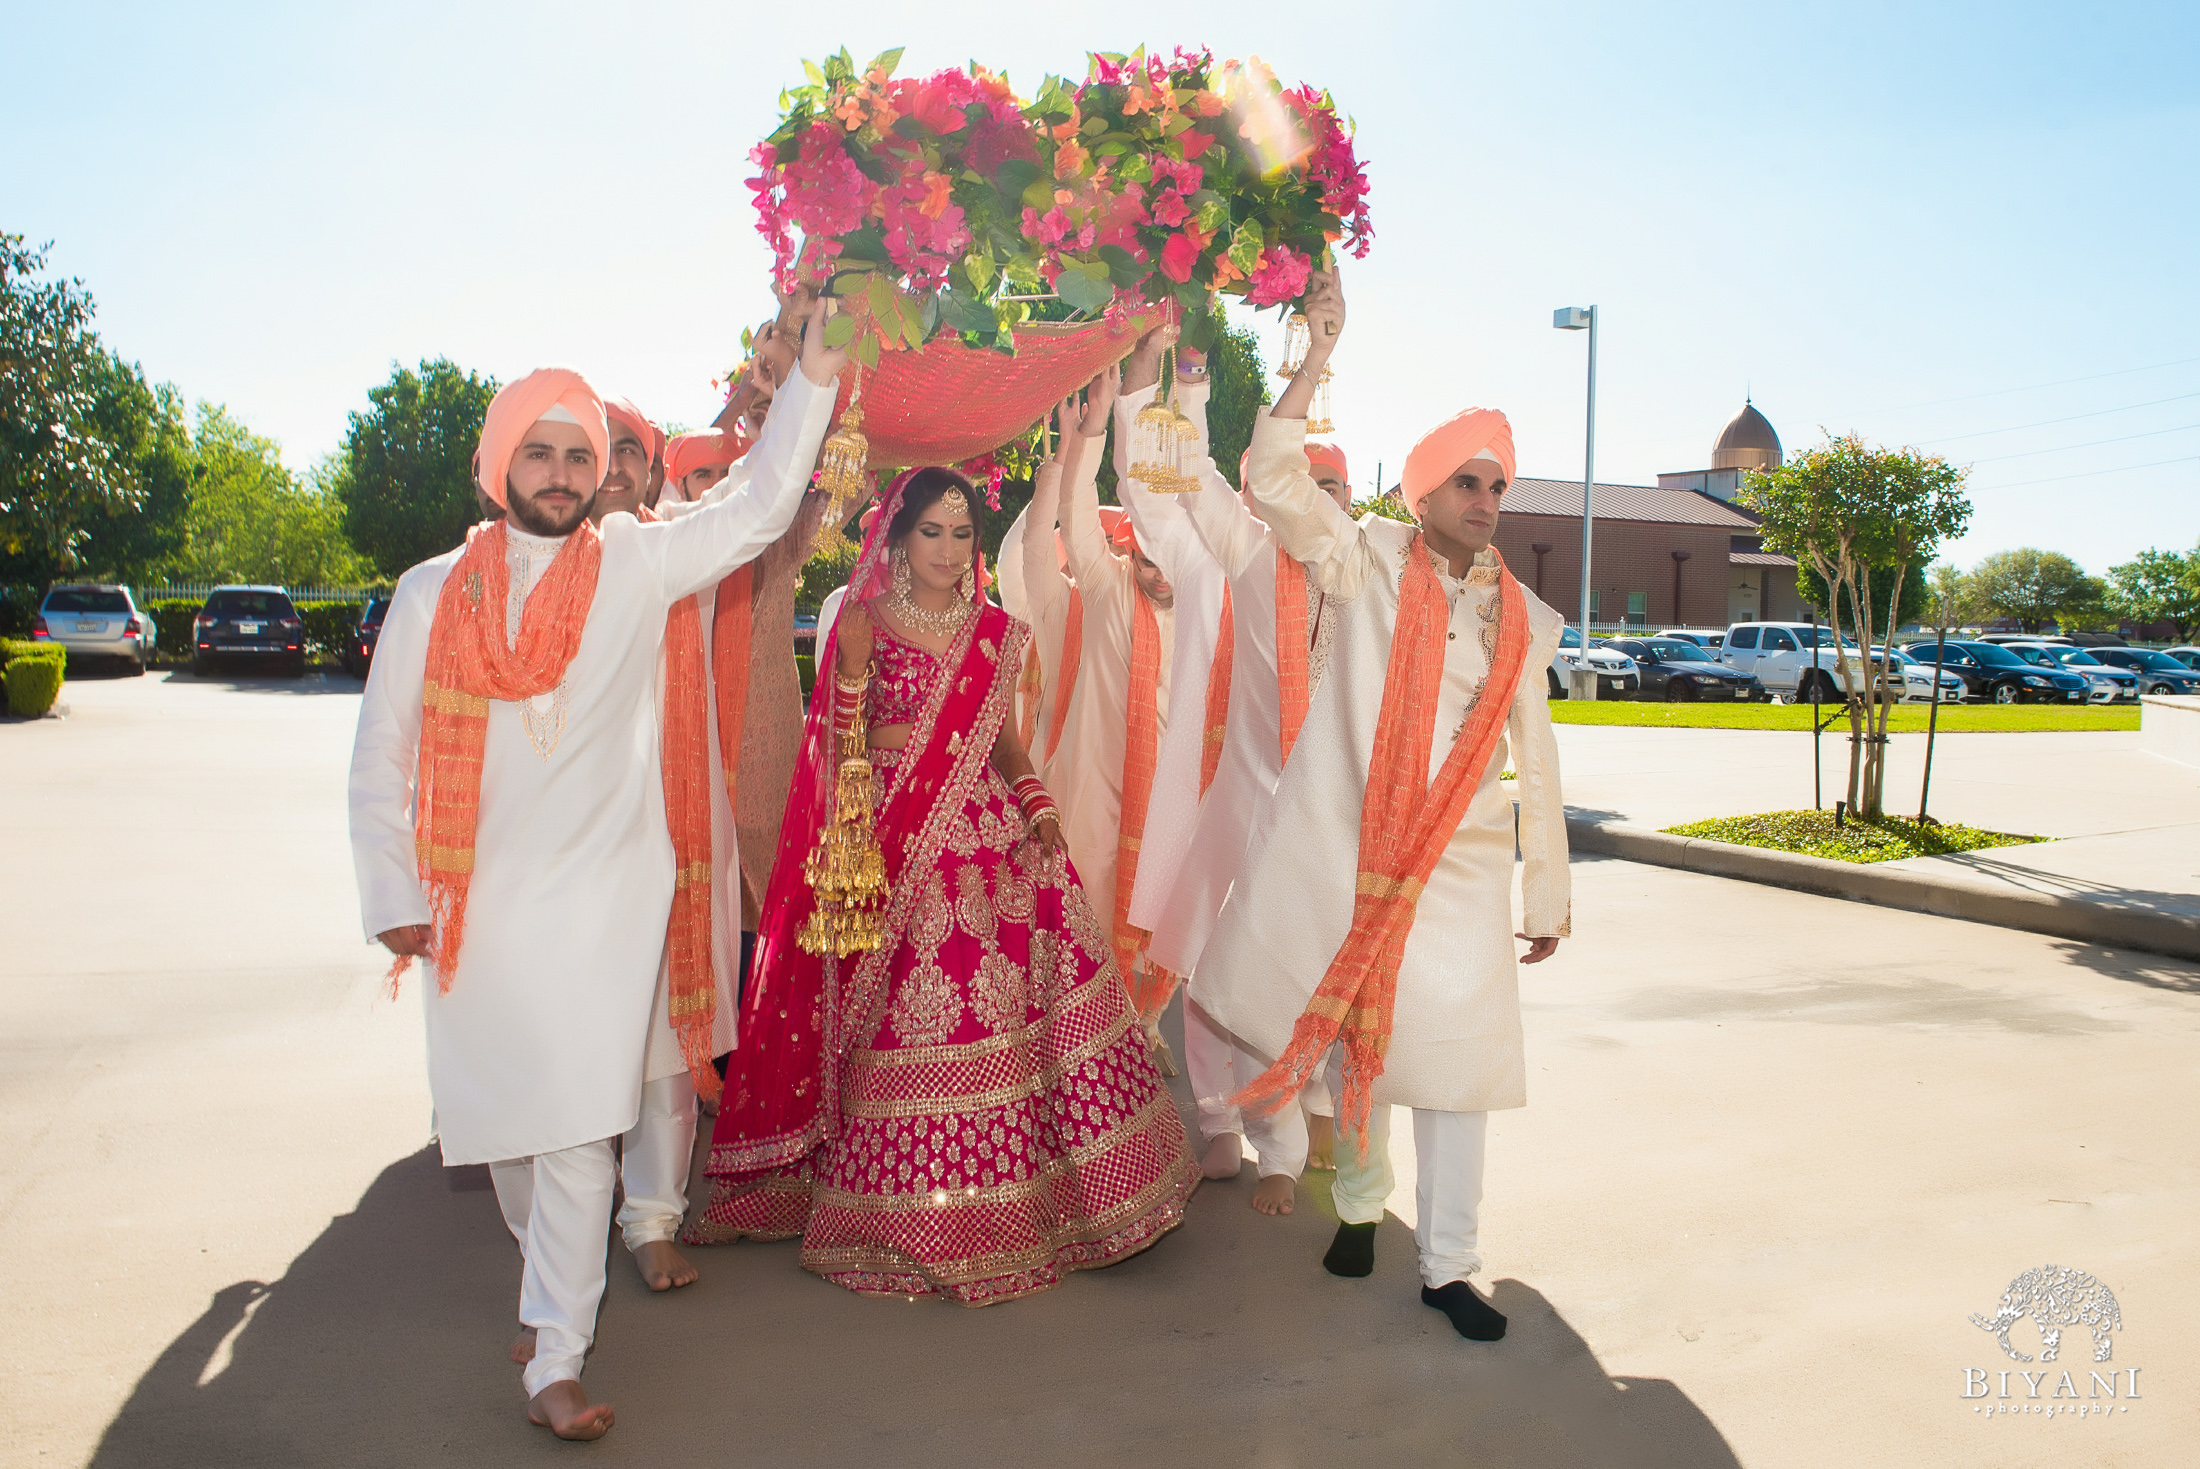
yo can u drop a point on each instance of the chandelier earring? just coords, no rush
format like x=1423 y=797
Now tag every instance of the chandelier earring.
x=901 y=571
x=969 y=583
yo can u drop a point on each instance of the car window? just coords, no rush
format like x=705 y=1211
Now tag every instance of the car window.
x=2078 y=656
x=86 y=599
x=376 y=607
x=249 y=604
x=2159 y=662
x=2039 y=656
x=1570 y=638
x=1993 y=655
x=1673 y=650
x=1742 y=637
x=1778 y=641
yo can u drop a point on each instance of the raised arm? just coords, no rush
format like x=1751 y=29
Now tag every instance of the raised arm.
x=1039 y=562
x=1098 y=570
x=698 y=549
x=1309 y=524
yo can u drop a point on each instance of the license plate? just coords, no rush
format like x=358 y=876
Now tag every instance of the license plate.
x=1718 y=693
x=248 y=627
x=90 y=626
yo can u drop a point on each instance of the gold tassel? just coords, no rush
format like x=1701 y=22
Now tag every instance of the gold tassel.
x=843 y=471
x=846 y=870
x=1317 y=419
x=1157 y=454
x=1297 y=336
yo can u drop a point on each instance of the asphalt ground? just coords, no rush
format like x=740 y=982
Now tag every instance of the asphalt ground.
x=1778 y=1149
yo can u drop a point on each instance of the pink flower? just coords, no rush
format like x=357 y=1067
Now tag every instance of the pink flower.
x=1280 y=276
x=1169 y=209
x=995 y=141
x=1180 y=254
x=1049 y=228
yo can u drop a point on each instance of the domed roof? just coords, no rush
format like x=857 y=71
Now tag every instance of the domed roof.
x=1747 y=443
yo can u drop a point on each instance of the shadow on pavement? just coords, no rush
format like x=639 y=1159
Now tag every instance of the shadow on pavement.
x=2152 y=970
x=312 y=681
x=1224 y=1344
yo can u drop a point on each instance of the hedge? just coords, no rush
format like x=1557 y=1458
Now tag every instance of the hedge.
x=328 y=626
x=33 y=676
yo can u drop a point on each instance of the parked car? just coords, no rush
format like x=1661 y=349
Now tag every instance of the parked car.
x=2107 y=684
x=365 y=633
x=1994 y=673
x=2158 y=672
x=2006 y=638
x=96 y=620
x=1675 y=669
x=1709 y=640
x=2189 y=656
x=249 y=624
x=1781 y=657
x=1615 y=671
x=1917 y=678
x=2096 y=640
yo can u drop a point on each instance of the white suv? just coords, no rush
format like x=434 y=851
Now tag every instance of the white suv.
x=1781 y=657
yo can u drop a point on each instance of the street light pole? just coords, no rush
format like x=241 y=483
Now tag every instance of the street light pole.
x=1574 y=319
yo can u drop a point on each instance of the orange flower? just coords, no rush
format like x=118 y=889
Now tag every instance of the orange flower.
x=1135 y=101
x=1070 y=159
x=938 y=187
x=1208 y=104
x=1226 y=271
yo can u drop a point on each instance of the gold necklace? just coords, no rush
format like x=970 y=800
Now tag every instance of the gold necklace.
x=924 y=620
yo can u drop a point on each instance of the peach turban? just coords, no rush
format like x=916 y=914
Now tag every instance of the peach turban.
x=690 y=452
x=557 y=393
x=622 y=410
x=1116 y=521
x=1331 y=455
x=1478 y=433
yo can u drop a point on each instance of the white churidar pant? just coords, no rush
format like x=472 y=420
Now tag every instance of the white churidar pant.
x=654 y=1161
x=1447 y=1193
x=1219 y=1066
x=557 y=1205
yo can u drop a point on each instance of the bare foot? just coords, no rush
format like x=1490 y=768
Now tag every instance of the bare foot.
x=1276 y=1194
x=565 y=1410
x=1225 y=1155
x=523 y=1346
x=1321 y=1141
x=663 y=1267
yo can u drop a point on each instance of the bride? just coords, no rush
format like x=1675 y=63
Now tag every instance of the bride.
x=970 y=1109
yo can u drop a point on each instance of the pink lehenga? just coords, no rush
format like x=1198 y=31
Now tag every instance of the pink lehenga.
x=970 y=1110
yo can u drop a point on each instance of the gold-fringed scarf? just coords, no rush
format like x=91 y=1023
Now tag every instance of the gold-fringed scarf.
x=1405 y=824
x=1141 y=747
x=1217 y=725
x=1293 y=642
x=471 y=661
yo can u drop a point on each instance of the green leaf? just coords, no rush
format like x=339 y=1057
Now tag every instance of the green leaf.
x=1214 y=213
x=815 y=75
x=1017 y=175
x=886 y=61
x=882 y=298
x=1039 y=194
x=1093 y=126
x=866 y=350
x=1123 y=267
x=840 y=331
x=965 y=312
x=1246 y=245
x=1085 y=287
x=1200 y=331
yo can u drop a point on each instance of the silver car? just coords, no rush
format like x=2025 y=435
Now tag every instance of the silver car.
x=2104 y=684
x=95 y=620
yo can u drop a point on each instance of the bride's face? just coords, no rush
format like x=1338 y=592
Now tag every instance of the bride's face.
x=940 y=546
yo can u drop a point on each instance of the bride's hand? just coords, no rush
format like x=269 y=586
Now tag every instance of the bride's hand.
x=1047 y=832
x=852 y=635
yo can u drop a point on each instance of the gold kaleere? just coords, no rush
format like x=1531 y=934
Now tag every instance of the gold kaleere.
x=1318 y=420
x=1297 y=337
x=843 y=470
x=846 y=870
x=1157 y=433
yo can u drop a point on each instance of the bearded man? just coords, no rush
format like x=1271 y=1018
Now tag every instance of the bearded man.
x=1400 y=958
x=510 y=823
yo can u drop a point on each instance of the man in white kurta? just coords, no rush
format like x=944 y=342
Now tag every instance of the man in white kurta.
x=1454 y=1049
x=537 y=1052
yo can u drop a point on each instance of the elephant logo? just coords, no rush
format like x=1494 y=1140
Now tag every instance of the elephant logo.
x=2056 y=1298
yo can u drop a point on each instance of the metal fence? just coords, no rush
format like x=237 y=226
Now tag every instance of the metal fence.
x=199 y=591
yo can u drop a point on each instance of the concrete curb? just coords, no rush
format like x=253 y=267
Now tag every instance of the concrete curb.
x=1857 y=882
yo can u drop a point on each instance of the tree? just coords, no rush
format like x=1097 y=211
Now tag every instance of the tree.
x=1848 y=510
x=405 y=477
x=252 y=520
x=2158 y=586
x=1913 y=598
x=2035 y=587
x=58 y=476
x=1954 y=597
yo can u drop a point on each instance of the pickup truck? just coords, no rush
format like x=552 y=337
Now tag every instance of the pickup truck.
x=1781 y=657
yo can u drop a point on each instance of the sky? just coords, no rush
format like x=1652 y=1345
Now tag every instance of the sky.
x=1970 y=228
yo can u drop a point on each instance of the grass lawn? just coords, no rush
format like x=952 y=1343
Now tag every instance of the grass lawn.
x=1814 y=834
x=1905 y=718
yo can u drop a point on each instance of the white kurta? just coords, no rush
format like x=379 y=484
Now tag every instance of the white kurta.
x=539 y=1045
x=1455 y=1044
x=1169 y=540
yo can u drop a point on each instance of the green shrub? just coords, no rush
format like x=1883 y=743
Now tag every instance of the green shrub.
x=33 y=683
x=174 y=617
x=328 y=627
x=17 y=604
x=12 y=649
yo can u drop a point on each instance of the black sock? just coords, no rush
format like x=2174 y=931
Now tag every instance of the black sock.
x=1352 y=1252
x=1471 y=1316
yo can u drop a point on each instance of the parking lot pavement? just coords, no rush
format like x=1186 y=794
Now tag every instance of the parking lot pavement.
x=1774 y=1158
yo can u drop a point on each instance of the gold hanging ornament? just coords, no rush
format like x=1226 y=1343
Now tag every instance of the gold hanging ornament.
x=843 y=470
x=1297 y=337
x=846 y=870
x=1317 y=418
x=1157 y=438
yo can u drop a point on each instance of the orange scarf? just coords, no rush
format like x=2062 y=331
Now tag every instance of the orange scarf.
x=470 y=662
x=1218 y=696
x=1141 y=746
x=1073 y=645
x=1028 y=689
x=1293 y=641
x=693 y=1001
x=1405 y=824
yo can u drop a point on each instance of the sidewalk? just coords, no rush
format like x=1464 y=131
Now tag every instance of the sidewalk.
x=2124 y=863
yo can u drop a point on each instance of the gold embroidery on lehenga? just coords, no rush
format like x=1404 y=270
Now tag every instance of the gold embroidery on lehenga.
x=1046 y=951
x=962 y=835
x=926 y=1007
x=933 y=921
x=974 y=906
x=1015 y=897
x=998 y=997
x=1084 y=926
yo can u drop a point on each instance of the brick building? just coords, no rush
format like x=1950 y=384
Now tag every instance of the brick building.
x=1674 y=554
